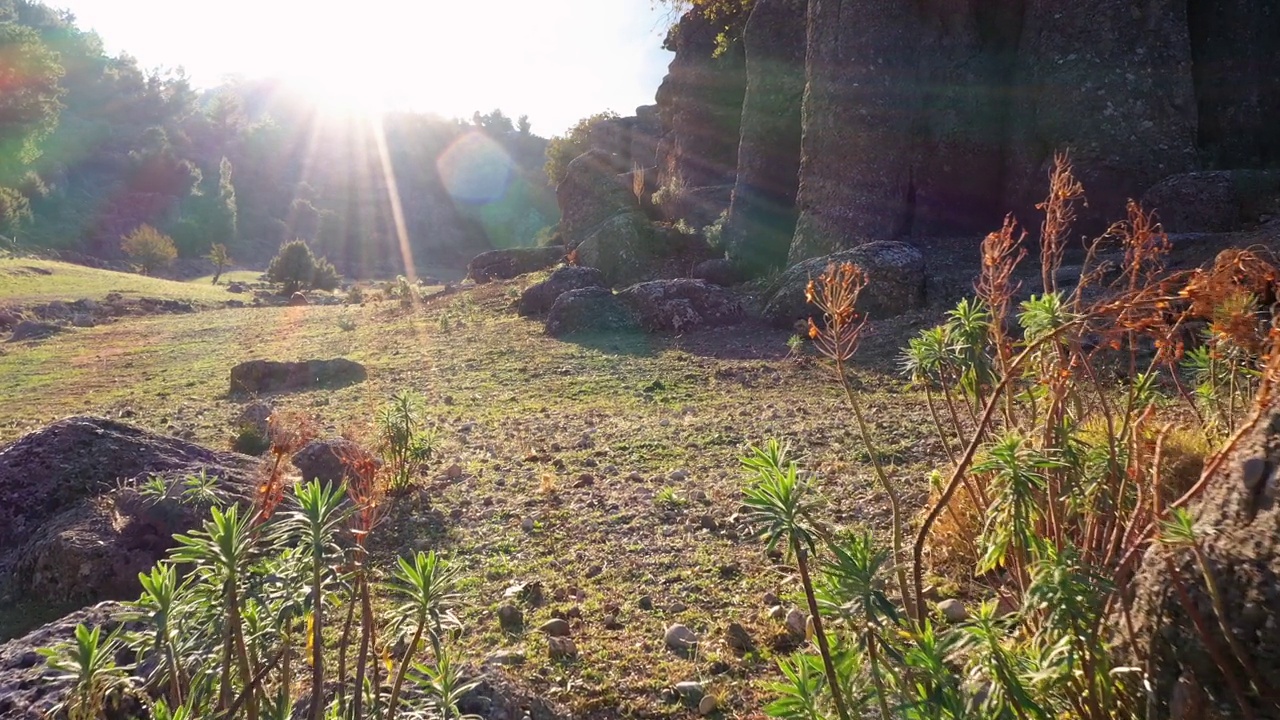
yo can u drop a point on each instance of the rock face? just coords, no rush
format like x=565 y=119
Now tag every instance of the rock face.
x=1221 y=201
x=682 y=305
x=1242 y=505
x=32 y=330
x=592 y=193
x=266 y=376
x=28 y=689
x=539 y=298
x=589 y=310
x=72 y=524
x=762 y=219
x=895 y=282
x=512 y=262
x=625 y=249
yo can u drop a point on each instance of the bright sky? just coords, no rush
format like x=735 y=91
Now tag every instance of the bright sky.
x=555 y=60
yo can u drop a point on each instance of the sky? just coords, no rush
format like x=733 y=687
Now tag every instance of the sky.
x=554 y=60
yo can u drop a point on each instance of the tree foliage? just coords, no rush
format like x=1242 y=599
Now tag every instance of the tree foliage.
x=561 y=150
x=296 y=268
x=151 y=249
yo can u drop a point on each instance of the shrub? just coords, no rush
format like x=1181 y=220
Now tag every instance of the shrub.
x=250 y=440
x=220 y=258
x=403 y=438
x=151 y=249
x=296 y=268
x=562 y=150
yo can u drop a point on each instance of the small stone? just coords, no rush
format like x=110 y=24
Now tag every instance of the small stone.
x=561 y=648
x=584 y=480
x=447 y=399
x=454 y=472
x=467 y=427
x=609 y=470
x=777 y=612
x=555 y=627
x=690 y=691
x=529 y=592
x=527 y=524
x=645 y=602
x=574 y=612
x=510 y=617
x=738 y=638
x=611 y=622
x=679 y=638
x=770 y=599
x=677 y=607
x=707 y=705
x=718 y=667
x=679 y=475
x=797 y=622
x=635 y=476
x=506 y=657
x=593 y=571
x=708 y=522
x=953 y=610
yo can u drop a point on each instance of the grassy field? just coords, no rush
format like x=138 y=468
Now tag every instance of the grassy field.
x=623 y=451
x=30 y=281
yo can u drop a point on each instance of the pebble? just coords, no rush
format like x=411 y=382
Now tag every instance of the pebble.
x=738 y=638
x=635 y=477
x=527 y=524
x=777 y=612
x=677 y=607
x=609 y=470
x=510 y=617
x=679 y=475
x=611 y=622
x=584 y=480
x=770 y=599
x=707 y=705
x=555 y=627
x=679 y=637
x=797 y=622
x=506 y=657
x=690 y=691
x=454 y=472
x=561 y=648
x=953 y=610
x=645 y=602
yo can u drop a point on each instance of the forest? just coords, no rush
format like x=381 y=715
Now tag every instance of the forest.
x=96 y=146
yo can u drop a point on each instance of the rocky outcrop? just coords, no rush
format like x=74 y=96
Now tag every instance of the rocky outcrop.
x=512 y=262
x=1219 y=201
x=757 y=232
x=700 y=105
x=625 y=249
x=589 y=310
x=539 y=298
x=859 y=108
x=1242 y=505
x=326 y=460
x=682 y=305
x=73 y=525
x=592 y=193
x=267 y=376
x=895 y=274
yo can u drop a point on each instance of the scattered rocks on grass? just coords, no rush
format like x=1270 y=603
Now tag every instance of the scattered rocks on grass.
x=510 y=618
x=33 y=330
x=561 y=648
x=266 y=376
x=690 y=691
x=555 y=627
x=511 y=262
x=539 y=298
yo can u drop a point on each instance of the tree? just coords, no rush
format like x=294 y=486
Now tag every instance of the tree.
x=524 y=126
x=29 y=103
x=564 y=148
x=296 y=268
x=208 y=215
x=149 y=248
x=220 y=258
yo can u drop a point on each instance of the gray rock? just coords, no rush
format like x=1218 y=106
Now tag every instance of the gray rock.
x=32 y=330
x=591 y=193
x=895 y=273
x=506 y=657
x=690 y=691
x=510 y=618
x=717 y=271
x=512 y=262
x=257 y=415
x=797 y=623
x=561 y=648
x=679 y=638
x=682 y=305
x=555 y=627
x=589 y=310
x=953 y=610
x=264 y=376
x=738 y=638
x=1221 y=201
x=624 y=248
x=538 y=298
x=326 y=459
x=707 y=705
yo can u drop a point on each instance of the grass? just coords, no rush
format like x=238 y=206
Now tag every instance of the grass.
x=607 y=406
x=229 y=276
x=33 y=281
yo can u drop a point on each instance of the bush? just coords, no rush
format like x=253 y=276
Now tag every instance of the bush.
x=251 y=440
x=296 y=268
x=221 y=258
x=563 y=149
x=151 y=249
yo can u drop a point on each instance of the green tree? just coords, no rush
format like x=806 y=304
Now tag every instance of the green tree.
x=296 y=268
x=149 y=248
x=29 y=105
x=564 y=148
x=220 y=258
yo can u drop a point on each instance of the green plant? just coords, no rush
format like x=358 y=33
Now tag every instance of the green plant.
x=251 y=440
x=220 y=257
x=668 y=499
x=346 y=323
x=403 y=437
x=355 y=296
x=424 y=587
x=714 y=233
x=89 y=664
x=151 y=249
x=295 y=268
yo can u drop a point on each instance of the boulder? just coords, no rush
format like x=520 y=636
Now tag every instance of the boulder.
x=589 y=310
x=625 y=249
x=72 y=523
x=682 y=305
x=265 y=376
x=32 y=330
x=512 y=262
x=9 y=318
x=895 y=282
x=499 y=697
x=762 y=218
x=298 y=300
x=591 y=193
x=28 y=688
x=1240 y=511
x=539 y=298
x=256 y=415
x=1221 y=201
x=325 y=459
x=717 y=271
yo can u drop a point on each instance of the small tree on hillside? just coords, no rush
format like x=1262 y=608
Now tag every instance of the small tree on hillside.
x=295 y=268
x=220 y=258
x=149 y=248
